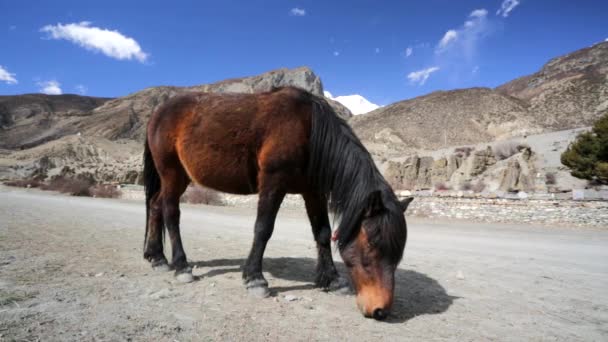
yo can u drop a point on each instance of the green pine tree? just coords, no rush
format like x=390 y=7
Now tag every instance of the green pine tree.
x=587 y=156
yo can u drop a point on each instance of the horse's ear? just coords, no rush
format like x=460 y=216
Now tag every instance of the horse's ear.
x=405 y=203
x=374 y=204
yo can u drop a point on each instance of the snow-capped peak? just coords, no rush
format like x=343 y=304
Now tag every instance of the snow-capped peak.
x=357 y=104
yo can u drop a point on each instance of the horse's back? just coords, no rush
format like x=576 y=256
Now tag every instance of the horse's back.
x=224 y=141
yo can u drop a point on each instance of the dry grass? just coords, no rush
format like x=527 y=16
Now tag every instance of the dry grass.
x=70 y=186
x=442 y=187
x=105 y=191
x=24 y=183
x=199 y=195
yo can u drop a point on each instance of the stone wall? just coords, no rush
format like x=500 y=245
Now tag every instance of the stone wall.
x=539 y=212
x=530 y=211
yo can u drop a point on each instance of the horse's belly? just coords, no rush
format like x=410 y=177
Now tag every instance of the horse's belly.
x=226 y=171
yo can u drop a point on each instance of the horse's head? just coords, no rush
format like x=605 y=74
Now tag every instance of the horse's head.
x=373 y=254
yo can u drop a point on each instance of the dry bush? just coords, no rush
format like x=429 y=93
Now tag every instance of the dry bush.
x=105 y=191
x=550 y=178
x=466 y=186
x=200 y=195
x=507 y=149
x=24 y=183
x=442 y=187
x=463 y=151
x=479 y=186
x=71 y=186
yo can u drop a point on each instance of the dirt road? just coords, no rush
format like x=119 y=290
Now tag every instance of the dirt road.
x=71 y=269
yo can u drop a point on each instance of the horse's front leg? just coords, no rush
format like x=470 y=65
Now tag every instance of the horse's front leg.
x=316 y=207
x=270 y=198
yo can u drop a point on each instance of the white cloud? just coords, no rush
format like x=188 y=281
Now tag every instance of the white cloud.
x=7 y=77
x=479 y=13
x=506 y=7
x=12 y=27
x=475 y=70
x=377 y=50
x=336 y=53
x=81 y=89
x=449 y=36
x=50 y=87
x=463 y=41
x=297 y=12
x=409 y=51
x=606 y=40
x=357 y=104
x=421 y=76
x=111 y=43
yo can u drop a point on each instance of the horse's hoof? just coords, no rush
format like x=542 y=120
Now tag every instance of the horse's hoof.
x=341 y=286
x=258 y=288
x=161 y=266
x=184 y=276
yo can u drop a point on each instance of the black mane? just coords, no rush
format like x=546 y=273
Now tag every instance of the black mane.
x=342 y=168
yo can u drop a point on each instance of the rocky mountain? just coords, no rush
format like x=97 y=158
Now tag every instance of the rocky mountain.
x=357 y=104
x=32 y=119
x=441 y=119
x=568 y=92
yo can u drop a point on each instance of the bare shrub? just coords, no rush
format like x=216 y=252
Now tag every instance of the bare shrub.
x=24 y=183
x=507 y=149
x=71 y=186
x=550 y=178
x=105 y=191
x=466 y=186
x=479 y=186
x=463 y=151
x=200 y=195
x=442 y=187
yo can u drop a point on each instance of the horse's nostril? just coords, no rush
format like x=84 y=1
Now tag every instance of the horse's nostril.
x=380 y=314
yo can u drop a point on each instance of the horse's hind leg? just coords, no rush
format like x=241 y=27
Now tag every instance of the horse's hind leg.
x=272 y=192
x=316 y=208
x=154 y=242
x=173 y=184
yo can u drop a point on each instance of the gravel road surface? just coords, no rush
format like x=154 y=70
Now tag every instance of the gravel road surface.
x=71 y=269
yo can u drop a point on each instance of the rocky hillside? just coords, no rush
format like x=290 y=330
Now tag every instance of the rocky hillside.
x=441 y=119
x=32 y=119
x=568 y=92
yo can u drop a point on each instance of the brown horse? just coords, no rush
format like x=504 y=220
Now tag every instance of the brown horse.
x=283 y=141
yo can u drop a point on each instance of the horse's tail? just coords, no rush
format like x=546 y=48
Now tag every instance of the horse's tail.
x=151 y=186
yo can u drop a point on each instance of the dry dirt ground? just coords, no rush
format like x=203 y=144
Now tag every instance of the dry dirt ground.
x=71 y=270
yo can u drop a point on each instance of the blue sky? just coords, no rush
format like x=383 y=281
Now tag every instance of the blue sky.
x=384 y=50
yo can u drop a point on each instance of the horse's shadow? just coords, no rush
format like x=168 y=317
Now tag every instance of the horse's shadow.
x=415 y=293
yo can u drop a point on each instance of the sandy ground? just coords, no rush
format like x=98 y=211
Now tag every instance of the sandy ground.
x=71 y=270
